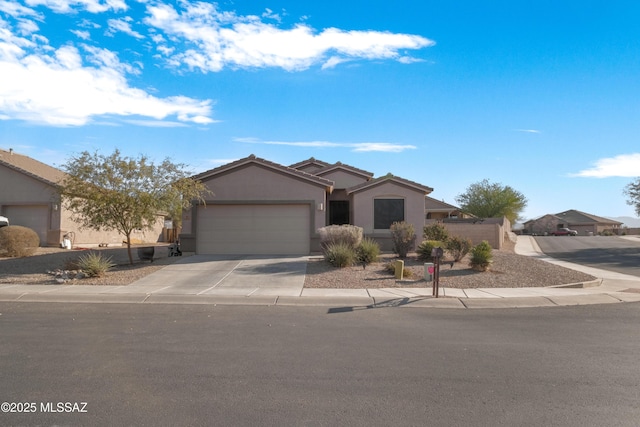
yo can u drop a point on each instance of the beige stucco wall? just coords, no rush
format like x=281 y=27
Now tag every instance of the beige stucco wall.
x=18 y=188
x=363 y=209
x=492 y=233
x=343 y=179
x=85 y=237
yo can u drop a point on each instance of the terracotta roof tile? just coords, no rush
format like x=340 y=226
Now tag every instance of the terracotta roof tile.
x=389 y=178
x=257 y=160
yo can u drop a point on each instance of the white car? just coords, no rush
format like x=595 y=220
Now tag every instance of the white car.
x=4 y=221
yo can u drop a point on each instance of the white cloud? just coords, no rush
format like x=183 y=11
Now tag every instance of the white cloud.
x=527 y=130
x=83 y=34
x=387 y=147
x=213 y=40
x=67 y=6
x=123 y=26
x=624 y=165
x=17 y=10
x=59 y=89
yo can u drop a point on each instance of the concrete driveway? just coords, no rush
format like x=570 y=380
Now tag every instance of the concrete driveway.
x=227 y=275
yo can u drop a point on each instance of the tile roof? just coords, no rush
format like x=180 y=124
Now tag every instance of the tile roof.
x=268 y=164
x=573 y=216
x=309 y=161
x=433 y=204
x=348 y=168
x=31 y=167
x=390 y=178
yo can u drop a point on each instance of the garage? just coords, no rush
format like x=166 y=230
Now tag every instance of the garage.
x=269 y=229
x=35 y=217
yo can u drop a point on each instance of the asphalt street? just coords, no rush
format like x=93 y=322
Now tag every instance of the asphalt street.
x=313 y=366
x=605 y=252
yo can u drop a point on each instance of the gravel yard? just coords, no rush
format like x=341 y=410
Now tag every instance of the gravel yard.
x=508 y=270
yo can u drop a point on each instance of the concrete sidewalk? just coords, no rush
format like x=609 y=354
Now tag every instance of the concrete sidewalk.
x=610 y=287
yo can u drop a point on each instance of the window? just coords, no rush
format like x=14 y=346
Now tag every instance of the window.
x=386 y=212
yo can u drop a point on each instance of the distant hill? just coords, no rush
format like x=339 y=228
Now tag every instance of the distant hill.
x=628 y=221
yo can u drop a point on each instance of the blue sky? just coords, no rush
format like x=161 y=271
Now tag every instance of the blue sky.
x=542 y=96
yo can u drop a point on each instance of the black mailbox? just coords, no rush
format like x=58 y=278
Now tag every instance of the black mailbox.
x=437 y=252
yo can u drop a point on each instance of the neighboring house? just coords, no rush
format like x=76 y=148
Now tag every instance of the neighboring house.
x=585 y=224
x=261 y=207
x=436 y=209
x=29 y=197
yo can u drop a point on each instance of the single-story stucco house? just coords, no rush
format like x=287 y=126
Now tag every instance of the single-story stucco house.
x=29 y=197
x=262 y=207
x=585 y=224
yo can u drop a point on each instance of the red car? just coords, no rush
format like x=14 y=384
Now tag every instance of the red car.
x=564 y=232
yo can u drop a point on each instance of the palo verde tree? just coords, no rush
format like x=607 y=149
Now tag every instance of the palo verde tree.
x=632 y=190
x=124 y=193
x=485 y=199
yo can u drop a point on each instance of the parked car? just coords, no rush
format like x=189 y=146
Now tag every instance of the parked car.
x=564 y=232
x=4 y=221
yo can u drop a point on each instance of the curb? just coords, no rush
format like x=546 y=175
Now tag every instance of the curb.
x=334 y=303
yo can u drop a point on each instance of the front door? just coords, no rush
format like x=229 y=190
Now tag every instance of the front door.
x=338 y=212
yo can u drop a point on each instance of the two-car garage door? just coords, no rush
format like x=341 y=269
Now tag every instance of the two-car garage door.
x=278 y=229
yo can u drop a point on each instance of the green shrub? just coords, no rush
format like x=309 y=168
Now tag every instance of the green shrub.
x=339 y=254
x=404 y=238
x=458 y=247
x=368 y=251
x=424 y=249
x=435 y=231
x=18 y=241
x=350 y=235
x=481 y=256
x=94 y=264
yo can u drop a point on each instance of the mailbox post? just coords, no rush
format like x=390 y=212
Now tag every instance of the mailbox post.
x=436 y=254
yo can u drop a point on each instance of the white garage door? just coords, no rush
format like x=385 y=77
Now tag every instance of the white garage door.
x=34 y=217
x=253 y=229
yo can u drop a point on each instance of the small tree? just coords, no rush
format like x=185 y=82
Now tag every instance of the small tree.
x=123 y=193
x=489 y=200
x=632 y=190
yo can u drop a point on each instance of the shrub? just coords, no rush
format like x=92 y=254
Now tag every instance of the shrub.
x=435 y=232
x=94 y=264
x=350 y=235
x=339 y=254
x=481 y=256
x=18 y=241
x=404 y=238
x=424 y=249
x=368 y=251
x=458 y=247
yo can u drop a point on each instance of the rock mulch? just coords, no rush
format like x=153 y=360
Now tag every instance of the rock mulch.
x=508 y=270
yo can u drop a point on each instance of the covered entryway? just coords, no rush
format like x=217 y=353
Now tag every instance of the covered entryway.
x=35 y=217
x=273 y=229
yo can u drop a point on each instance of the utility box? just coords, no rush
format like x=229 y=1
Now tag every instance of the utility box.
x=399 y=269
x=429 y=270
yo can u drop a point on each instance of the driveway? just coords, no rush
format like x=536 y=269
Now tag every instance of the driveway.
x=227 y=275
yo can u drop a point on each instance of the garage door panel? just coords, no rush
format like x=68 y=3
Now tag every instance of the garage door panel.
x=253 y=229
